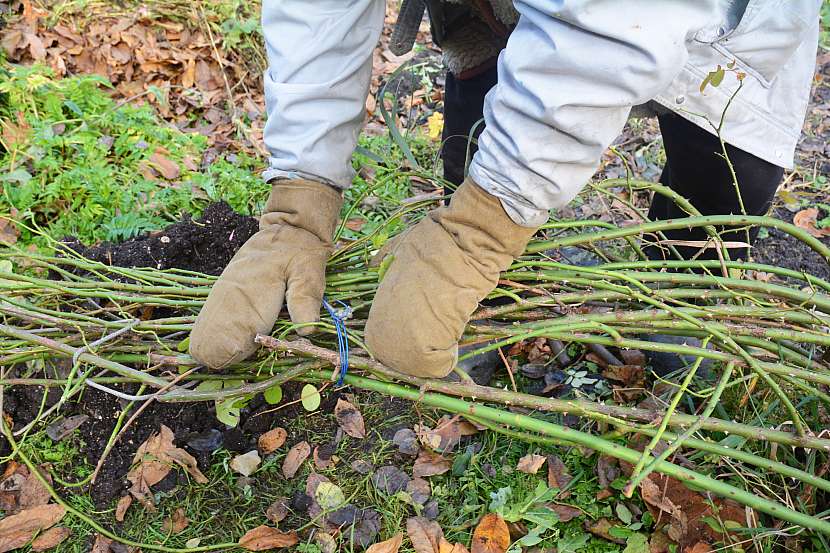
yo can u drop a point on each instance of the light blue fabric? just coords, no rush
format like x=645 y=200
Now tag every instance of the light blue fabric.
x=568 y=78
x=320 y=64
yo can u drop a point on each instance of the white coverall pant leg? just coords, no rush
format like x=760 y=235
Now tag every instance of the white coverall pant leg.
x=320 y=65
x=566 y=82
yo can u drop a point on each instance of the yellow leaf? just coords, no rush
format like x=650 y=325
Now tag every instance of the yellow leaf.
x=435 y=122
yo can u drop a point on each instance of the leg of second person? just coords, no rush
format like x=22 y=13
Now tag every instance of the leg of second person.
x=695 y=169
x=463 y=108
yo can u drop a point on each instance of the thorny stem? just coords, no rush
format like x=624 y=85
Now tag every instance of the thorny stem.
x=636 y=474
x=596 y=411
x=617 y=451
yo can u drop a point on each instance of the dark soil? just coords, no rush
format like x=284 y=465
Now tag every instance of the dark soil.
x=782 y=250
x=205 y=245
x=194 y=425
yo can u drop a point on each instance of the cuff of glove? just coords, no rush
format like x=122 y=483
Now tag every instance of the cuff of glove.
x=305 y=204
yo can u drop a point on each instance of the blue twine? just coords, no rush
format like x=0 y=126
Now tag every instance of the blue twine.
x=339 y=319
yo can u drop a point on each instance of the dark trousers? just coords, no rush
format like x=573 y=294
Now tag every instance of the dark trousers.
x=694 y=168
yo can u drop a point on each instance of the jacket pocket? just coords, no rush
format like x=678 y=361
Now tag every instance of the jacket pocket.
x=767 y=35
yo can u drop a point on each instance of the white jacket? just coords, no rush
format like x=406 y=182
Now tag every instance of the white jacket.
x=568 y=78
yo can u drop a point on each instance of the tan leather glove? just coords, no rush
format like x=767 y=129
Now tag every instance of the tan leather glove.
x=286 y=259
x=441 y=269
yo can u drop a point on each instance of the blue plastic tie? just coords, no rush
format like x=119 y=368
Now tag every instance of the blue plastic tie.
x=339 y=318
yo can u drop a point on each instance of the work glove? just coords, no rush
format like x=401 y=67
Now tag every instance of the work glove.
x=286 y=259
x=439 y=271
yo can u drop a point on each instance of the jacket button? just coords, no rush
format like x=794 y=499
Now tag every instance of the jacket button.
x=680 y=99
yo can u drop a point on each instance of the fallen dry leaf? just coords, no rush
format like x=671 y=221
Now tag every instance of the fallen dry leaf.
x=101 y=545
x=419 y=490
x=59 y=430
x=607 y=470
x=424 y=534
x=153 y=461
x=176 y=522
x=350 y=419
x=390 y=480
x=632 y=378
x=122 y=506
x=265 y=537
x=654 y=496
x=325 y=542
x=558 y=476
x=16 y=134
x=530 y=463
x=246 y=464
x=277 y=510
x=430 y=464
x=601 y=527
x=447 y=547
x=660 y=543
x=355 y=224
x=357 y=526
x=296 y=456
x=272 y=440
x=407 y=442
x=633 y=356
x=806 y=219
x=699 y=547
x=491 y=535
x=428 y=437
x=389 y=546
x=33 y=493
x=565 y=512
x=168 y=168
x=18 y=530
x=450 y=430
x=629 y=375
x=323 y=457
x=685 y=510
x=361 y=467
x=8 y=232
x=50 y=538
x=312 y=482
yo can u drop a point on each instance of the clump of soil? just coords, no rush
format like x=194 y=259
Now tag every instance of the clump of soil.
x=205 y=245
x=782 y=250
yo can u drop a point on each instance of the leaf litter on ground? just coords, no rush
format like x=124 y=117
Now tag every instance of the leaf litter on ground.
x=19 y=529
x=272 y=440
x=429 y=463
x=50 y=538
x=392 y=545
x=295 y=457
x=491 y=535
x=350 y=419
x=176 y=522
x=530 y=463
x=246 y=464
x=153 y=461
x=390 y=480
x=265 y=537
